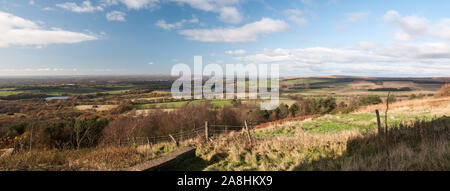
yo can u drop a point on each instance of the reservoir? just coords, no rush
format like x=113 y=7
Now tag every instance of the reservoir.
x=56 y=98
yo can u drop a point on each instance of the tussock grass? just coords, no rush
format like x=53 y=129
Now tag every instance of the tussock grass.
x=233 y=153
x=95 y=159
x=436 y=106
x=417 y=140
x=418 y=146
x=422 y=145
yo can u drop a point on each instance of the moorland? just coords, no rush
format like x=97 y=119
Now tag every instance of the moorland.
x=322 y=123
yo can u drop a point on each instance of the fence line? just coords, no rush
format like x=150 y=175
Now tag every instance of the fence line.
x=212 y=130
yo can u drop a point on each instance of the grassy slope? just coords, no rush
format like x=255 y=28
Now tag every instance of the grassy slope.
x=337 y=142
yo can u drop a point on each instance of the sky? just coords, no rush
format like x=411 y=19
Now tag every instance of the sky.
x=381 y=38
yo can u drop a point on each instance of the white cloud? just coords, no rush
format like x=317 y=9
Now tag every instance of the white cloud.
x=236 y=52
x=227 y=12
x=247 y=33
x=296 y=16
x=365 y=45
x=21 y=32
x=47 y=9
x=169 y=26
x=45 y=71
x=177 y=25
x=415 y=28
x=357 y=16
x=150 y=63
x=411 y=27
x=230 y=15
x=225 y=8
x=443 y=29
x=139 y=4
x=85 y=7
x=424 y=58
x=116 y=16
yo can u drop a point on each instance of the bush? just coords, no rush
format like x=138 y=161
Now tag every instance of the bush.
x=72 y=133
x=87 y=131
x=323 y=105
x=257 y=116
x=293 y=109
x=303 y=107
x=122 y=108
x=57 y=135
x=18 y=128
x=282 y=111
x=370 y=100
x=392 y=99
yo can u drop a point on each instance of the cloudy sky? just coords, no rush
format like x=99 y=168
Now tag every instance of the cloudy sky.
x=306 y=37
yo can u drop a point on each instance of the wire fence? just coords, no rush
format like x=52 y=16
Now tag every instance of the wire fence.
x=210 y=130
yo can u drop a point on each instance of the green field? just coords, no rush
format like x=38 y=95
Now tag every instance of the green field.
x=301 y=81
x=355 y=86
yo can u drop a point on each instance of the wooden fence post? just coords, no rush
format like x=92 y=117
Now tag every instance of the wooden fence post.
x=206 y=131
x=31 y=138
x=380 y=130
x=248 y=133
x=173 y=139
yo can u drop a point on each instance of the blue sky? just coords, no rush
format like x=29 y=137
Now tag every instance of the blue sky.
x=306 y=37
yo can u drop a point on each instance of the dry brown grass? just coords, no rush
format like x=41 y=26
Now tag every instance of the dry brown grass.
x=234 y=153
x=418 y=146
x=96 y=107
x=416 y=104
x=95 y=159
x=444 y=91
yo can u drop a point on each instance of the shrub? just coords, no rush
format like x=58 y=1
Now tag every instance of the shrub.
x=122 y=108
x=391 y=99
x=87 y=131
x=257 y=116
x=303 y=107
x=293 y=109
x=343 y=108
x=282 y=111
x=57 y=135
x=18 y=128
x=370 y=100
x=323 y=105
